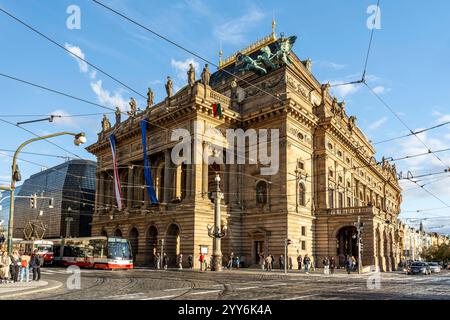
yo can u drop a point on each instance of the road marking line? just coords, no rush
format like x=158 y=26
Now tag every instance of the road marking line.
x=156 y=298
x=301 y=297
x=176 y=289
x=203 y=292
x=124 y=295
x=247 y=288
x=276 y=285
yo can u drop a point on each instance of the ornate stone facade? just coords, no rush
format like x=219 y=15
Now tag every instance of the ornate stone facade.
x=327 y=175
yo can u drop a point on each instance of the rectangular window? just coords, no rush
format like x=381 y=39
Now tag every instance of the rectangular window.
x=340 y=200
x=303 y=245
x=301 y=165
x=349 y=202
x=331 y=198
x=303 y=231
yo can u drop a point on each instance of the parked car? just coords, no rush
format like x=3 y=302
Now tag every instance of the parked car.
x=434 y=267
x=419 y=268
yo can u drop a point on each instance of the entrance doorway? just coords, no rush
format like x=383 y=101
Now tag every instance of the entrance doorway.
x=258 y=249
x=347 y=244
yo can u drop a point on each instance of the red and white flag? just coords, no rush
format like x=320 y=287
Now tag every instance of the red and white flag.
x=112 y=141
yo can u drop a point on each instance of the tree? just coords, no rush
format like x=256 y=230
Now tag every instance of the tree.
x=437 y=253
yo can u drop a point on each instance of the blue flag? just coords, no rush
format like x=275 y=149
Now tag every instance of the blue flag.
x=147 y=172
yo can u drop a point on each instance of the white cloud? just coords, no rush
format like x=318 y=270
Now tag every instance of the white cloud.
x=332 y=65
x=233 y=31
x=378 y=123
x=379 y=89
x=181 y=67
x=345 y=90
x=106 y=98
x=76 y=53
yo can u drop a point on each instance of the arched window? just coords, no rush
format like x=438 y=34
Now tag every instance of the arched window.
x=261 y=192
x=301 y=194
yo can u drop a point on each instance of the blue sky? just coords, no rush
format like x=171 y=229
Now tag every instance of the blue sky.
x=408 y=66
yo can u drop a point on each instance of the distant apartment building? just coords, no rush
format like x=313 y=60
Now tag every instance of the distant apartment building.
x=71 y=186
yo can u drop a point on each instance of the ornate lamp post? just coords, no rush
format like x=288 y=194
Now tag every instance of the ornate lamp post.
x=217 y=234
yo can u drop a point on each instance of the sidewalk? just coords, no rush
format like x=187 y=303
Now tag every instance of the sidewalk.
x=10 y=290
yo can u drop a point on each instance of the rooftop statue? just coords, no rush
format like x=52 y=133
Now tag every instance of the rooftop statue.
x=133 y=107
x=268 y=61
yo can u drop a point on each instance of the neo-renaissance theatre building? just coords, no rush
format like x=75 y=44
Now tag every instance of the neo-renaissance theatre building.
x=326 y=174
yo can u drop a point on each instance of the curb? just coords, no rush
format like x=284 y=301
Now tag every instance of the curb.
x=56 y=285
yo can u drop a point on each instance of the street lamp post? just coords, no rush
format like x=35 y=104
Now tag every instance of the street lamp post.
x=217 y=234
x=80 y=138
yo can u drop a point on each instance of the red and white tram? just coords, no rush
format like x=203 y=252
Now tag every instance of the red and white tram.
x=93 y=252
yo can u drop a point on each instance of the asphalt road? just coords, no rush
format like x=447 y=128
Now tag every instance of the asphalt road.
x=147 y=284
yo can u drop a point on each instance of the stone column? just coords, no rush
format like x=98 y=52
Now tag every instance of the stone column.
x=167 y=181
x=232 y=184
x=177 y=184
x=129 y=188
x=189 y=185
x=205 y=171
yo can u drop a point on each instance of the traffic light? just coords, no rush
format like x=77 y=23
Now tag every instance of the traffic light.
x=33 y=201
x=289 y=241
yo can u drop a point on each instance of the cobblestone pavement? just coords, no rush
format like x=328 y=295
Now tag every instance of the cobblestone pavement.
x=147 y=284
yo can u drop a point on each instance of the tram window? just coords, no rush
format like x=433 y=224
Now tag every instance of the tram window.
x=56 y=250
x=68 y=251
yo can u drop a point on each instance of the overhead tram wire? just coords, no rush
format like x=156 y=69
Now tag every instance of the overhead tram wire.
x=67 y=95
x=157 y=35
x=185 y=49
x=404 y=124
x=36 y=135
x=37 y=154
x=363 y=77
x=71 y=53
x=413 y=133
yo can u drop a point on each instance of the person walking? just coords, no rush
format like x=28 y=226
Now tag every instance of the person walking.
x=299 y=262
x=24 y=268
x=273 y=262
x=348 y=264
x=191 y=261
x=290 y=263
x=157 y=261
x=238 y=262
x=165 y=261
x=15 y=265
x=35 y=264
x=326 y=265
x=5 y=262
x=353 y=263
x=269 y=262
x=306 y=262
x=312 y=264
x=230 y=261
x=202 y=260
x=332 y=265
x=262 y=261
x=180 y=261
x=281 y=262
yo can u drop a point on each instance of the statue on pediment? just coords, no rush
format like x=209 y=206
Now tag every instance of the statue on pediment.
x=169 y=85
x=133 y=107
x=191 y=75
x=118 y=115
x=206 y=75
x=268 y=61
x=106 y=125
x=351 y=122
x=150 y=97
